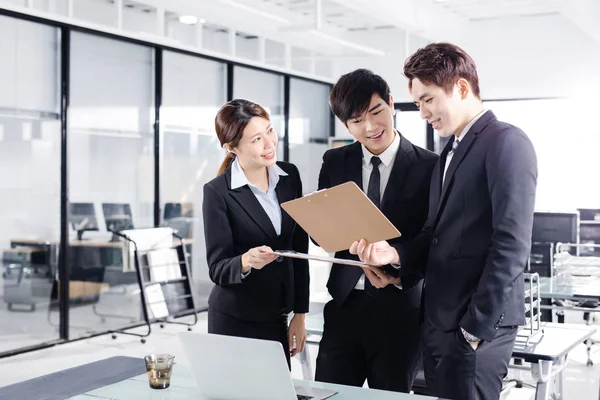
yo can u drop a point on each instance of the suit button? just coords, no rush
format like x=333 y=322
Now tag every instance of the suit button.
x=434 y=241
x=279 y=259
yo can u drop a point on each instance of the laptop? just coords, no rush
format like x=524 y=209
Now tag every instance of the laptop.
x=235 y=368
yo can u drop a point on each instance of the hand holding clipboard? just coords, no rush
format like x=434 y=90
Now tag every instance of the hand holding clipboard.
x=337 y=217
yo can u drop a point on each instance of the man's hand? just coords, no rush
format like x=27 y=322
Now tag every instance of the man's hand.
x=375 y=254
x=297 y=333
x=474 y=344
x=378 y=278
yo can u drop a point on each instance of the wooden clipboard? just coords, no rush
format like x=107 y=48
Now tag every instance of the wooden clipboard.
x=338 y=216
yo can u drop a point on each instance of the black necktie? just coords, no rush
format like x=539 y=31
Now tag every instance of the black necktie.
x=374 y=189
x=374 y=193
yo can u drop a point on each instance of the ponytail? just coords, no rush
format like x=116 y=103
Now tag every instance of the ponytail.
x=226 y=163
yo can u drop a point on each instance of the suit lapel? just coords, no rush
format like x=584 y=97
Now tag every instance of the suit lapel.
x=354 y=165
x=246 y=199
x=459 y=154
x=285 y=192
x=404 y=157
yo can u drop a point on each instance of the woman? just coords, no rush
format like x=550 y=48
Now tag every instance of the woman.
x=243 y=223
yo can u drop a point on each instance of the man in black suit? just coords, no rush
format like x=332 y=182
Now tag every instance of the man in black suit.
x=478 y=235
x=371 y=325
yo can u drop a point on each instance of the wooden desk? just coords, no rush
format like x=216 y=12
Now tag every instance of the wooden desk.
x=97 y=243
x=23 y=250
x=32 y=242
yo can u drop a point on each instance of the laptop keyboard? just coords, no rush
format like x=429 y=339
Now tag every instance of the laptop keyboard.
x=302 y=397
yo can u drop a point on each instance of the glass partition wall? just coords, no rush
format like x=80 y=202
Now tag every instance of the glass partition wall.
x=101 y=133
x=30 y=150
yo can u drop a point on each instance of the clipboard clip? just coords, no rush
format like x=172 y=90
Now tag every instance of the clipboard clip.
x=315 y=192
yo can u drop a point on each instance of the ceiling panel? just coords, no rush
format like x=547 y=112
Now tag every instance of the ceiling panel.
x=333 y=13
x=486 y=9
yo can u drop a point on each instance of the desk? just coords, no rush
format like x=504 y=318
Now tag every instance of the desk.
x=112 y=253
x=183 y=387
x=548 y=355
x=556 y=288
x=84 y=254
x=39 y=242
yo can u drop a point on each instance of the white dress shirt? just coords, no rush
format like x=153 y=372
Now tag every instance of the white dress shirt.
x=268 y=200
x=458 y=139
x=385 y=170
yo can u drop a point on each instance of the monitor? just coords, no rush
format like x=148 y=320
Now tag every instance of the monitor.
x=589 y=214
x=117 y=216
x=554 y=227
x=182 y=226
x=82 y=217
x=176 y=210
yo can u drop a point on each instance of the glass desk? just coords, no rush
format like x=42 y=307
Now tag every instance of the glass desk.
x=183 y=387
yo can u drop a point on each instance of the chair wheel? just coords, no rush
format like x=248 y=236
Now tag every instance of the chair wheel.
x=143 y=341
x=114 y=336
x=589 y=363
x=189 y=328
x=162 y=325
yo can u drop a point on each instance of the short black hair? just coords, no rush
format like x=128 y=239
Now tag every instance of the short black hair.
x=442 y=64
x=351 y=95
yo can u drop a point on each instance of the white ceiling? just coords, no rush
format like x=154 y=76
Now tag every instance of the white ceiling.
x=290 y=20
x=488 y=9
x=341 y=28
x=333 y=13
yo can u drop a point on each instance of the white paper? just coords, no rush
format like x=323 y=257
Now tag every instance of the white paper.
x=156 y=301
x=145 y=239
x=164 y=265
x=293 y=254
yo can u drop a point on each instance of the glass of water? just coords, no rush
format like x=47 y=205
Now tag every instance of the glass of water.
x=159 y=368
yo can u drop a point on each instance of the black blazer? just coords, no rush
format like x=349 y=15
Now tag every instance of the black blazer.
x=234 y=222
x=478 y=236
x=404 y=201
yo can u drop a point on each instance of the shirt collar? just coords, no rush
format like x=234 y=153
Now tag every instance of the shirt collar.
x=238 y=177
x=469 y=125
x=388 y=156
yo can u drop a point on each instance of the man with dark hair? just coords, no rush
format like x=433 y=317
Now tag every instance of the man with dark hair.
x=474 y=246
x=371 y=328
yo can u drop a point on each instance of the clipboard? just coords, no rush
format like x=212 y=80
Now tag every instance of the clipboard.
x=337 y=217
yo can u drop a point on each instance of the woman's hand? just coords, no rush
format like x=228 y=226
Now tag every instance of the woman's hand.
x=257 y=258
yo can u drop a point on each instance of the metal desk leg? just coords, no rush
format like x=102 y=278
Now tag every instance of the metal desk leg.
x=560 y=379
x=304 y=358
x=542 y=372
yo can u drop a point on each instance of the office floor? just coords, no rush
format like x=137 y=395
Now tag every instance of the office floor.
x=119 y=307
x=581 y=381
x=21 y=327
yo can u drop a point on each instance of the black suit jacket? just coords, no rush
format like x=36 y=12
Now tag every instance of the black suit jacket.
x=234 y=222
x=404 y=201
x=478 y=236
